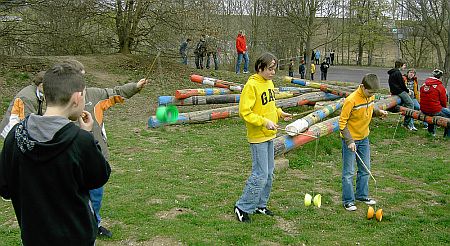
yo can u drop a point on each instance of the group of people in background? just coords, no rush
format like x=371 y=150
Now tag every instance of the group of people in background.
x=430 y=98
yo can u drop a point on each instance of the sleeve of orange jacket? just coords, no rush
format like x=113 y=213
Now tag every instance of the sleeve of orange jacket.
x=246 y=104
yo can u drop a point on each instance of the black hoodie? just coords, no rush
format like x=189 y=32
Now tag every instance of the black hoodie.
x=396 y=83
x=49 y=181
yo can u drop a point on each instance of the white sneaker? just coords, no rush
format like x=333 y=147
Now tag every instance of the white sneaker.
x=368 y=201
x=350 y=207
x=245 y=71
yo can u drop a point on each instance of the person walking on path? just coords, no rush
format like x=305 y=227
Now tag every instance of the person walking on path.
x=324 y=70
x=317 y=56
x=313 y=70
x=183 y=51
x=302 y=69
x=241 y=48
x=200 y=52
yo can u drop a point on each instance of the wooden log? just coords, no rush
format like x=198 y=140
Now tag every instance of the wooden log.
x=216 y=82
x=302 y=124
x=418 y=115
x=185 y=93
x=220 y=113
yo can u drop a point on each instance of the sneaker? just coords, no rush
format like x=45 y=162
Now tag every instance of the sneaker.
x=241 y=215
x=103 y=232
x=245 y=71
x=264 y=211
x=368 y=201
x=6 y=200
x=350 y=206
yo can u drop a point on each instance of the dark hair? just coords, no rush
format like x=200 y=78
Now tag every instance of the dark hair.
x=60 y=82
x=264 y=61
x=399 y=63
x=37 y=80
x=75 y=64
x=187 y=40
x=371 y=82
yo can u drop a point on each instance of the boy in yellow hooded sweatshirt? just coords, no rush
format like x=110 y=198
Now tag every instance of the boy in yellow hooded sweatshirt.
x=354 y=123
x=257 y=108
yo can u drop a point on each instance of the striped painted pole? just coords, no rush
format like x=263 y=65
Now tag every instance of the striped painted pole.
x=185 y=93
x=220 y=113
x=418 y=115
x=212 y=99
x=285 y=143
x=216 y=82
x=302 y=124
x=323 y=87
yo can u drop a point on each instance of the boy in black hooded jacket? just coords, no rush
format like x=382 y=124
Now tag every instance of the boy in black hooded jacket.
x=48 y=165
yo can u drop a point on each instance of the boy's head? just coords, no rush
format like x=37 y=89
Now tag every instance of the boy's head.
x=437 y=73
x=76 y=65
x=266 y=65
x=64 y=86
x=399 y=63
x=371 y=84
x=241 y=32
x=411 y=73
x=37 y=80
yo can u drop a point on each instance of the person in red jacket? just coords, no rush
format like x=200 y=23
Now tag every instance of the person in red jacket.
x=433 y=100
x=241 y=48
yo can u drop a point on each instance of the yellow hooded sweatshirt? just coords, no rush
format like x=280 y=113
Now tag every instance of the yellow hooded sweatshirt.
x=256 y=106
x=356 y=115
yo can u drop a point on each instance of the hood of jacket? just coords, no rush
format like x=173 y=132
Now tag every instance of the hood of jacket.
x=41 y=138
x=392 y=70
x=432 y=81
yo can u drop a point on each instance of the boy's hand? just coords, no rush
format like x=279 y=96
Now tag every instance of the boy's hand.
x=352 y=147
x=383 y=113
x=270 y=125
x=286 y=116
x=142 y=83
x=85 y=120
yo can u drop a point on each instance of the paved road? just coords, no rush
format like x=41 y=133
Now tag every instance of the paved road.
x=355 y=74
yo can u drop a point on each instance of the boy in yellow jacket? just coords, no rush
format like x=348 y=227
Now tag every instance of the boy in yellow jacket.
x=354 y=123
x=257 y=108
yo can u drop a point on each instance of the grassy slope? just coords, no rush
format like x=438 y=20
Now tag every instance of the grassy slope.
x=178 y=184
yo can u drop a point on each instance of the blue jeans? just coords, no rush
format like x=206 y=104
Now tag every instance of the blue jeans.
x=445 y=112
x=407 y=102
x=239 y=60
x=184 y=58
x=257 y=189
x=96 y=196
x=348 y=171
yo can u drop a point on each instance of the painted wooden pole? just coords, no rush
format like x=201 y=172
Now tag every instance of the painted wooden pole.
x=285 y=143
x=185 y=93
x=418 y=115
x=213 y=99
x=323 y=87
x=216 y=82
x=302 y=124
x=220 y=113
x=300 y=90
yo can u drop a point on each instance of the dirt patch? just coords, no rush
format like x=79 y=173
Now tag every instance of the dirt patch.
x=156 y=241
x=287 y=226
x=173 y=213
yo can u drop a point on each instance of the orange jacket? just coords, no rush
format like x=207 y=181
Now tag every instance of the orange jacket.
x=241 y=44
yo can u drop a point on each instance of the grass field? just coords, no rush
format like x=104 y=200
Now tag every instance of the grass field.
x=177 y=185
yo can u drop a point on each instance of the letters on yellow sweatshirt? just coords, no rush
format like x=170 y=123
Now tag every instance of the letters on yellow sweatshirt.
x=256 y=106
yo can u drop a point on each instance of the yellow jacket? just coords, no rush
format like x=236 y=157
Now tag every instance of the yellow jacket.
x=313 y=68
x=355 y=116
x=256 y=106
